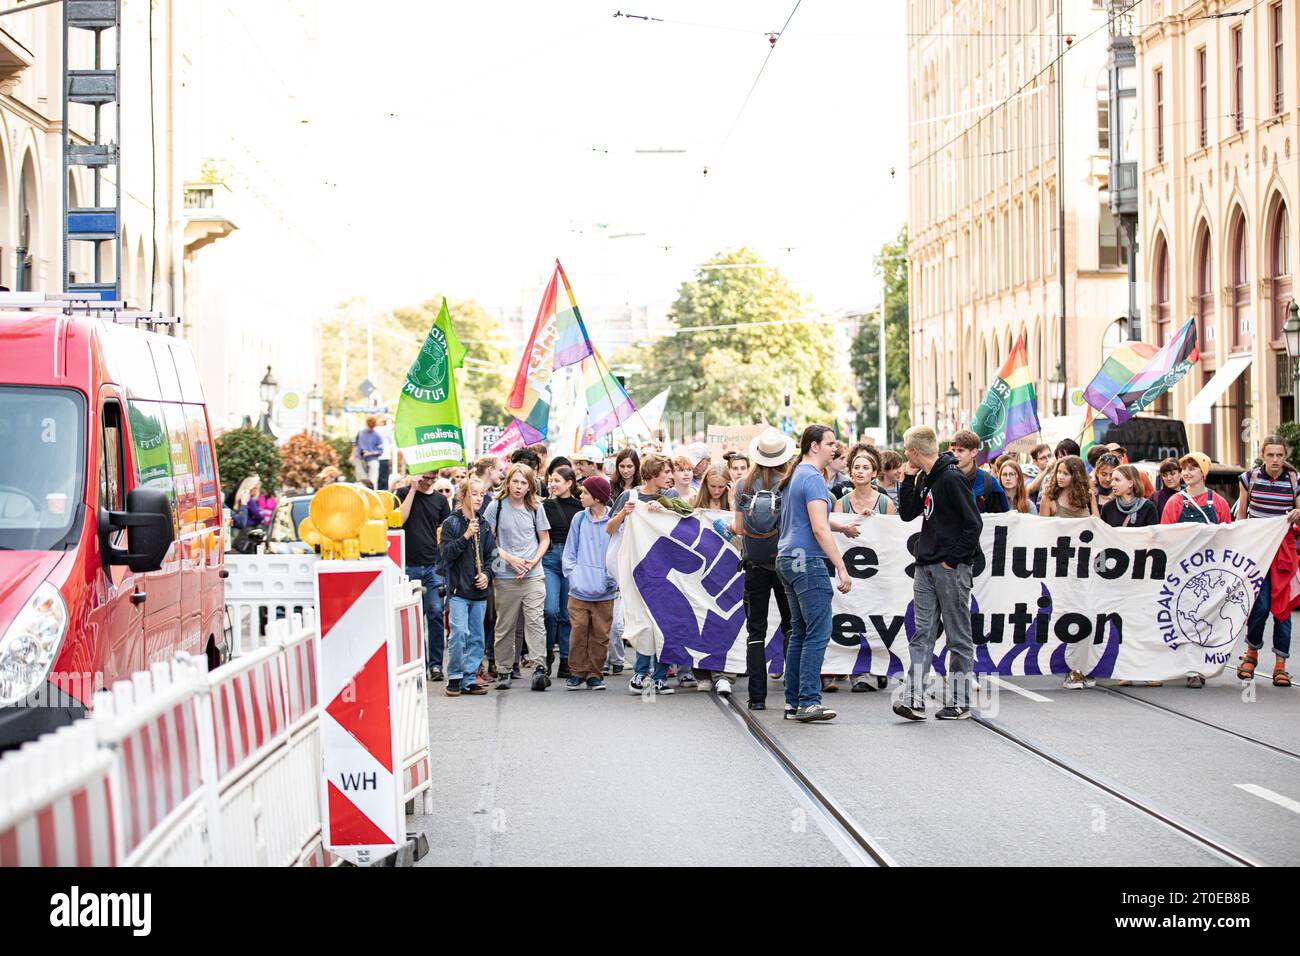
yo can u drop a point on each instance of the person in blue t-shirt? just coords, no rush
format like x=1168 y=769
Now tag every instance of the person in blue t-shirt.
x=990 y=497
x=804 y=549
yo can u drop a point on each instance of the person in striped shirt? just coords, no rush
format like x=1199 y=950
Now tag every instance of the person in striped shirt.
x=1269 y=490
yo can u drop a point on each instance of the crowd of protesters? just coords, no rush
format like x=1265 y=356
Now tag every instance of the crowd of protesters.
x=519 y=557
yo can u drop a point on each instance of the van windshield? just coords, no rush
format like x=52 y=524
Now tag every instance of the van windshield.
x=42 y=466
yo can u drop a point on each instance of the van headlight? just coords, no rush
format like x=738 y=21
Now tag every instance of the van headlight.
x=29 y=646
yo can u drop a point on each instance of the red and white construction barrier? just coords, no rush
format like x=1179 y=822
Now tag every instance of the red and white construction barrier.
x=183 y=766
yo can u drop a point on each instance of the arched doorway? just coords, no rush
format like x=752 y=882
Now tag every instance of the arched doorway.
x=1160 y=308
x=1277 y=263
x=27 y=256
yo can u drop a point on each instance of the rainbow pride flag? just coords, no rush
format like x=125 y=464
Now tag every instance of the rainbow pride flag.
x=1094 y=430
x=608 y=405
x=1117 y=371
x=1009 y=410
x=1158 y=376
x=558 y=339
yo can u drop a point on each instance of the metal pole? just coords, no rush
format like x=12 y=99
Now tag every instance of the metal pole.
x=1060 y=181
x=883 y=422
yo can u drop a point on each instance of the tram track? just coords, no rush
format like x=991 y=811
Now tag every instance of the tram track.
x=865 y=849
x=1272 y=748
x=1190 y=829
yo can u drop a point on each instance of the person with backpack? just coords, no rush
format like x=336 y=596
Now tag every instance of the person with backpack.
x=758 y=523
x=591 y=589
x=423 y=511
x=466 y=549
x=1196 y=504
x=1269 y=490
x=561 y=508
x=984 y=488
x=523 y=535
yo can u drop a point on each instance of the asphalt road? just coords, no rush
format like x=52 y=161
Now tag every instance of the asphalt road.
x=606 y=778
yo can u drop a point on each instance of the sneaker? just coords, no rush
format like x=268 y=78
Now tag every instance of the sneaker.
x=435 y=673
x=1074 y=680
x=540 y=680
x=1195 y=680
x=789 y=712
x=452 y=689
x=573 y=683
x=757 y=705
x=503 y=683
x=618 y=669
x=473 y=690
x=806 y=715
x=953 y=713
x=830 y=685
x=637 y=684
x=775 y=675
x=862 y=685
x=723 y=686
x=662 y=687
x=705 y=686
x=515 y=673
x=907 y=710
x=606 y=670
x=595 y=683
x=687 y=679
x=564 y=668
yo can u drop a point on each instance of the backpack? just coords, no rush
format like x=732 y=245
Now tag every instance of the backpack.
x=761 y=516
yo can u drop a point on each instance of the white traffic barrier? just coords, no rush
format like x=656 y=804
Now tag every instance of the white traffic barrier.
x=262 y=589
x=151 y=726
x=412 y=694
x=179 y=766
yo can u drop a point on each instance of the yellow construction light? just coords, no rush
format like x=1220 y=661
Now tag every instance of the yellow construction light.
x=347 y=521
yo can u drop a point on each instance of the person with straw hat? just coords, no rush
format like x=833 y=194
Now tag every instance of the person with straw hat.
x=758 y=524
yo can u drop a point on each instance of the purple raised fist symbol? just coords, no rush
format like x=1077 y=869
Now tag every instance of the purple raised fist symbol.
x=694 y=550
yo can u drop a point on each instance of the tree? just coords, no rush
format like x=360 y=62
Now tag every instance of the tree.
x=865 y=352
x=302 y=459
x=739 y=375
x=343 y=450
x=248 y=451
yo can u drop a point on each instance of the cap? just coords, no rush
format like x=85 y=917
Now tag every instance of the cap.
x=590 y=453
x=696 y=452
x=598 y=487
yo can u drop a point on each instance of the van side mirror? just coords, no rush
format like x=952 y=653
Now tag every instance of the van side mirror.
x=148 y=520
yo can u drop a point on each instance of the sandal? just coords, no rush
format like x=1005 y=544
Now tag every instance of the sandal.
x=1195 y=680
x=1280 y=676
x=1246 y=670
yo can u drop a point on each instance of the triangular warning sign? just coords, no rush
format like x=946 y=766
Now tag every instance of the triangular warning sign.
x=340 y=593
x=349 y=826
x=357 y=708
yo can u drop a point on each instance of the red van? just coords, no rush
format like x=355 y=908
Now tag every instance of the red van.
x=110 y=514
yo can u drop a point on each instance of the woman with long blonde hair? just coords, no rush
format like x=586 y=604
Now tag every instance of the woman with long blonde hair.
x=523 y=534
x=715 y=489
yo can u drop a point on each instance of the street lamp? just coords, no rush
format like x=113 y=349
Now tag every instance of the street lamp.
x=1056 y=386
x=1291 y=334
x=267 y=389
x=314 y=403
x=953 y=397
x=892 y=410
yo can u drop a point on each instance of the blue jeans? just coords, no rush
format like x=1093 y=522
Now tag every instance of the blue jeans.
x=809 y=591
x=428 y=575
x=557 y=603
x=645 y=661
x=465 y=649
x=1259 y=616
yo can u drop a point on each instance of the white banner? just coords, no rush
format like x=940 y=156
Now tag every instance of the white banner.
x=1136 y=603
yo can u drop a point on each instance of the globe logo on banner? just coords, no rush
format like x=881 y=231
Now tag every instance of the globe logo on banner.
x=1213 y=606
x=428 y=376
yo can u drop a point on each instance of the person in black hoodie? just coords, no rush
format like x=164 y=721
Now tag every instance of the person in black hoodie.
x=935 y=489
x=466 y=547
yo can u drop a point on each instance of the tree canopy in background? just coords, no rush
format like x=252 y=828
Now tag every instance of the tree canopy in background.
x=248 y=451
x=738 y=375
x=865 y=355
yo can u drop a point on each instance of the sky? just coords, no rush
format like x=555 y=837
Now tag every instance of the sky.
x=463 y=146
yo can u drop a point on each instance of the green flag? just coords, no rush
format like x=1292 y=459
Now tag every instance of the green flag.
x=427 y=428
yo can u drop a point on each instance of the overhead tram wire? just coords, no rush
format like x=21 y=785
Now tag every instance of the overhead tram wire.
x=753 y=86
x=1025 y=85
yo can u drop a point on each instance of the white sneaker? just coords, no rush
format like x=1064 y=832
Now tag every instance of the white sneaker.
x=1074 y=680
x=723 y=686
x=705 y=685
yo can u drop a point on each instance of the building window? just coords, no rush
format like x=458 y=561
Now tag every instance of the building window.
x=1275 y=25
x=1238 y=81
x=1202 y=100
x=1241 y=333
x=1279 y=264
x=1112 y=252
x=1162 y=292
x=1204 y=296
x=1160 y=115
x=1103 y=112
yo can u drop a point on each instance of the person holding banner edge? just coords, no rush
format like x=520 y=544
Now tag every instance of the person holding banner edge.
x=804 y=548
x=936 y=489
